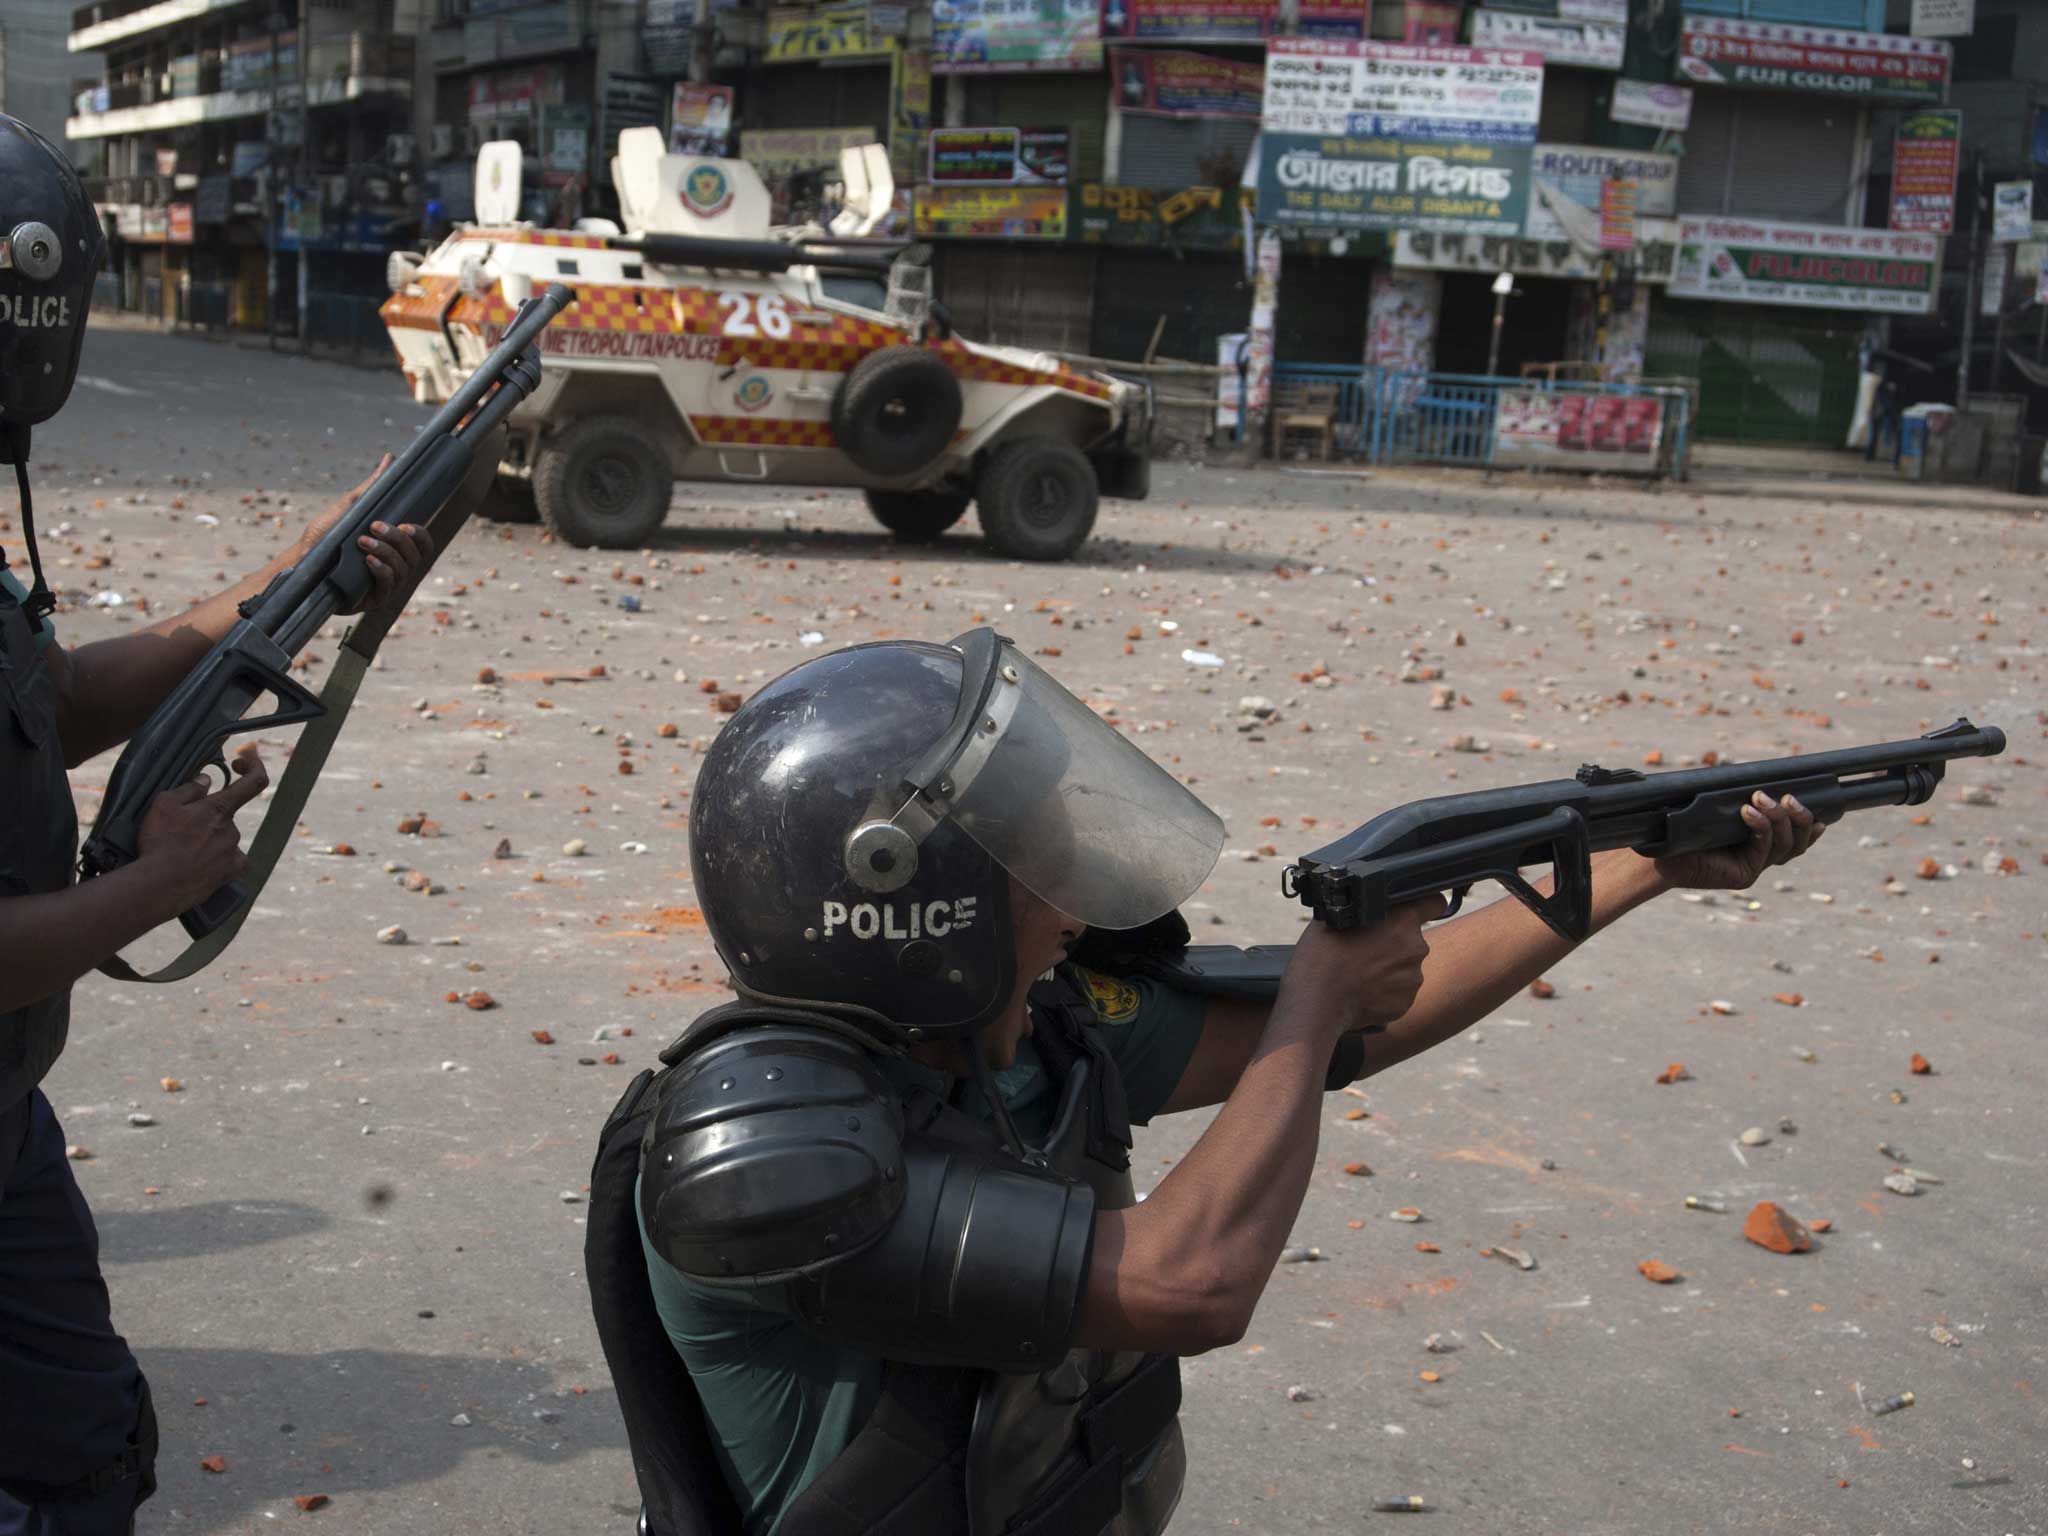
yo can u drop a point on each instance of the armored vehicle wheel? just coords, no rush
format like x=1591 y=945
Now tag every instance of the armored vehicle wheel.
x=896 y=411
x=509 y=500
x=1037 y=498
x=918 y=517
x=602 y=484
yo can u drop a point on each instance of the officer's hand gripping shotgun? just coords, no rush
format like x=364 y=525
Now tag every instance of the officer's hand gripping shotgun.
x=1446 y=845
x=187 y=733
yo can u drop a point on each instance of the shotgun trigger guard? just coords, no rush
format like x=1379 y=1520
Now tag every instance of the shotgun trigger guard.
x=1457 y=893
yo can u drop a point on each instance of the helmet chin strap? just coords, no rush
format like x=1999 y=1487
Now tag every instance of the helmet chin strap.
x=985 y=1080
x=14 y=450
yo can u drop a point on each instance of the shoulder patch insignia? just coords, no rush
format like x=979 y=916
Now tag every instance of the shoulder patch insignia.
x=1114 y=999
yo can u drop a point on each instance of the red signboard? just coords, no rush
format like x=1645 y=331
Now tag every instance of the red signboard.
x=179 y=223
x=1924 y=159
x=1228 y=21
x=1758 y=55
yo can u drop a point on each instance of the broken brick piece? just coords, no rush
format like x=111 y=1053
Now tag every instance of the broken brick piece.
x=1358 y=1170
x=1675 y=1073
x=1930 y=869
x=542 y=1037
x=1921 y=1065
x=1657 y=1272
x=213 y=1463
x=1789 y=999
x=1541 y=988
x=479 y=1001
x=308 y=1502
x=1769 y=1227
x=1820 y=1224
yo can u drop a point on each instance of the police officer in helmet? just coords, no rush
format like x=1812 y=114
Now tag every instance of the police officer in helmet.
x=881 y=1205
x=77 y=1433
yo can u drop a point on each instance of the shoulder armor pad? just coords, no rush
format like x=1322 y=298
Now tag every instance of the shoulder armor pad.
x=775 y=1151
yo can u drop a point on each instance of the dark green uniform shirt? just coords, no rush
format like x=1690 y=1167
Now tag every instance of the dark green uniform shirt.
x=781 y=1401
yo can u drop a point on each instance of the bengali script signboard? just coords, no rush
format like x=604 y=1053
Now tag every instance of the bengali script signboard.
x=1000 y=156
x=1813 y=266
x=1570 y=182
x=1561 y=40
x=1227 y=21
x=1163 y=82
x=1363 y=136
x=991 y=213
x=1767 y=56
x=1015 y=36
x=1924 y=156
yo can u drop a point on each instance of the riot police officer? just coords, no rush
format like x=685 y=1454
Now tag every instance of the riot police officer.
x=77 y=1434
x=881 y=1205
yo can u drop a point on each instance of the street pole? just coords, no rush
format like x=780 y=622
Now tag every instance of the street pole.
x=270 y=197
x=1972 y=284
x=304 y=160
x=1503 y=285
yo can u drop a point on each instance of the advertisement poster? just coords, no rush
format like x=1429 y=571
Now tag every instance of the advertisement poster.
x=1192 y=219
x=990 y=213
x=1233 y=21
x=1432 y=22
x=1400 y=320
x=1362 y=136
x=1569 y=184
x=777 y=153
x=1572 y=429
x=1367 y=89
x=1617 y=215
x=800 y=32
x=1765 y=56
x=2012 y=210
x=1814 y=266
x=1943 y=18
x=1592 y=44
x=1012 y=36
x=179 y=223
x=999 y=157
x=1651 y=106
x=700 y=119
x=1163 y=83
x=1924 y=157
x=1654 y=258
x=910 y=111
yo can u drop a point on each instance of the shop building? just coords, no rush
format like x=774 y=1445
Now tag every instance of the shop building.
x=255 y=161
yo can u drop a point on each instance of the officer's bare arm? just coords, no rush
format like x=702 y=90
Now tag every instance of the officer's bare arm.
x=1476 y=963
x=1183 y=1270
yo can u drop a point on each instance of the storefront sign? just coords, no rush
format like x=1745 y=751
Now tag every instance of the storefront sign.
x=700 y=119
x=629 y=101
x=1387 y=136
x=991 y=213
x=179 y=223
x=1569 y=189
x=1765 y=56
x=1652 y=260
x=988 y=36
x=781 y=152
x=800 y=32
x=1924 y=156
x=1594 y=44
x=1991 y=284
x=1232 y=21
x=1170 y=84
x=215 y=198
x=2012 y=210
x=1651 y=106
x=1192 y=219
x=1614 y=12
x=1576 y=429
x=1004 y=157
x=1364 y=90
x=1815 y=266
x=1310 y=182
x=910 y=111
x=667 y=34
x=1944 y=18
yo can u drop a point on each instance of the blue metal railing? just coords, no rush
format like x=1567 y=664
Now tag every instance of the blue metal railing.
x=1406 y=417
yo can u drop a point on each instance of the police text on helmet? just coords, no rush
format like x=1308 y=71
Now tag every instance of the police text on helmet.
x=882 y=920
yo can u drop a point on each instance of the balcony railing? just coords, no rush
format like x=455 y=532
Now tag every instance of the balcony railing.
x=238 y=83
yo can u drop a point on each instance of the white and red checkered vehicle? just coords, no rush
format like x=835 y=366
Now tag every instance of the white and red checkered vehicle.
x=702 y=346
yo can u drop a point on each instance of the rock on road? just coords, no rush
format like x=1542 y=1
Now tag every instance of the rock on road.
x=348 y=1249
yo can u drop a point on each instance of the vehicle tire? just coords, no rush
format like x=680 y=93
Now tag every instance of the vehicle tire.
x=1038 y=498
x=509 y=500
x=601 y=484
x=896 y=411
x=918 y=517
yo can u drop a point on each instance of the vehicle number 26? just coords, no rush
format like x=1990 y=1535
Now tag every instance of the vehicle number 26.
x=749 y=314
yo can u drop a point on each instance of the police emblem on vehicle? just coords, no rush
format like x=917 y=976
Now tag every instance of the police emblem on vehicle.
x=754 y=392
x=706 y=192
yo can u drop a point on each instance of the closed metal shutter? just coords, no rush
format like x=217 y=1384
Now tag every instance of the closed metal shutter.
x=1168 y=153
x=1202 y=295
x=1021 y=294
x=1768 y=156
x=1076 y=102
x=1768 y=373
x=812 y=96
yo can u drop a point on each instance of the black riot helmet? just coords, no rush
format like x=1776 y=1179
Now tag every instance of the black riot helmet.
x=855 y=825
x=51 y=246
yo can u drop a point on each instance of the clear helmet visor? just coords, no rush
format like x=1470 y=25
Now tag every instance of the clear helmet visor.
x=1061 y=800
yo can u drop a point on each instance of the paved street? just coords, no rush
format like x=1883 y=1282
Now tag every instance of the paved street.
x=349 y=1251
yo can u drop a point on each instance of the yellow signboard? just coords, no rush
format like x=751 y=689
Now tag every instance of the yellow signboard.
x=800 y=32
x=992 y=213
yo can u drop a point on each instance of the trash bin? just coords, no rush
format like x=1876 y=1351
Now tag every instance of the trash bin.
x=1913 y=448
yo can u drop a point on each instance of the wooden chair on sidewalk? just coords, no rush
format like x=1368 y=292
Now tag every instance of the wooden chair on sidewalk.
x=1307 y=409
